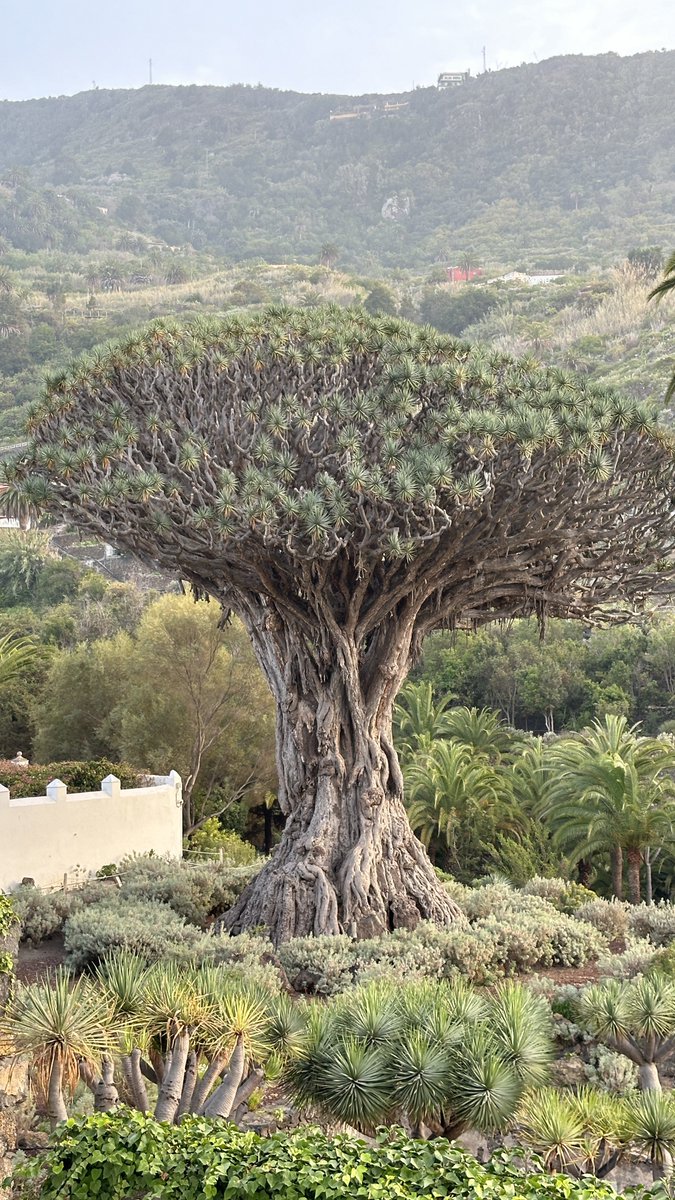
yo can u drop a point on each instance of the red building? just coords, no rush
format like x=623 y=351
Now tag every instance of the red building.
x=462 y=275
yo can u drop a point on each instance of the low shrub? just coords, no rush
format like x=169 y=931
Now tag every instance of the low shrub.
x=609 y=916
x=328 y=965
x=151 y=929
x=663 y=961
x=196 y=891
x=324 y=965
x=611 y=1071
x=211 y=841
x=564 y=894
x=540 y=936
x=653 y=921
x=42 y=914
x=127 y=1154
x=636 y=959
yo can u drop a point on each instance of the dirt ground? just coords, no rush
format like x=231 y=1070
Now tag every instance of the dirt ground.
x=35 y=962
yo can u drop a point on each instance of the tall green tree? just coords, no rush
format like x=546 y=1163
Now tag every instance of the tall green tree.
x=614 y=792
x=346 y=484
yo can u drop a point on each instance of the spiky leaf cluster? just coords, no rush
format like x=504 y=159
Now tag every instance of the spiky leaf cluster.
x=244 y=450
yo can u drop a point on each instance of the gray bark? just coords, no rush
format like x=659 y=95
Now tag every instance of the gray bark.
x=205 y=1084
x=348 y=860
x=188 y=1086
x=106 y=1097
x=222 y=1100
x=245 y=1091
x=138 y=1082
x=171 y=1086
x=56 y=1105
x=662 y=1168
x=648 y=1077
x=617 y=872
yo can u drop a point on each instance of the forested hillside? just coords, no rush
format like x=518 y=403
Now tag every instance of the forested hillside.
x=565 y=162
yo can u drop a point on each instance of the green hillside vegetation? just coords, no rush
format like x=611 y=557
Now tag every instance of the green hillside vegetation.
x=568 y=160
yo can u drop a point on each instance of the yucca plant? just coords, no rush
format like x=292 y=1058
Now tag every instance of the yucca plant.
x=637 y=1019
x=59 y=1023
x=582 y=1132
x=384 y=481
x=438 y=1056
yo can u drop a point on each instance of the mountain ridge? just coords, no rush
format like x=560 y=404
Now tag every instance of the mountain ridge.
x=571 y=157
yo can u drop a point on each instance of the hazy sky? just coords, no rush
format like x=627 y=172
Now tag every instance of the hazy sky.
x=52 y=47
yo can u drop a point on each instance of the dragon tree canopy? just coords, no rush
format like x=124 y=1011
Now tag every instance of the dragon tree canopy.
x=346 y=484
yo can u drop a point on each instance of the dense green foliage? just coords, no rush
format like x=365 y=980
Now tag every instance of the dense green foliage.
x=560 y=158
x=127 y=1154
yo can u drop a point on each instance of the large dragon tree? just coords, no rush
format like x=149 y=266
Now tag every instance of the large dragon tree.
x=346 y=485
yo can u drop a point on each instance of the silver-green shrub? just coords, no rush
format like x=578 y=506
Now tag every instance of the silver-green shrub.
x=653 y=921
x=609 y=916
x=151 y=929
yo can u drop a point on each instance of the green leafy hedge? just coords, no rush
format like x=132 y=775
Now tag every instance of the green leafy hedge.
x=77 y=776
x=126 y=1154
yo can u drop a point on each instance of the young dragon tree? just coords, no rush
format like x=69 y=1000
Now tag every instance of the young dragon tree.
x=346 y=484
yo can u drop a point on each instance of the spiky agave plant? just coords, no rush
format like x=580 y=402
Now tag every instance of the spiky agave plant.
x=347 y=484
x=58 y=1023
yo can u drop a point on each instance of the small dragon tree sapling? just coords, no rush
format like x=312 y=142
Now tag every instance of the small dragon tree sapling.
x=637 y=1019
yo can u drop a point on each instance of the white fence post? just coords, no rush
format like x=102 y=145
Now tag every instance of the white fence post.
x=111 y=786
x=4 y=796
x=56 y=790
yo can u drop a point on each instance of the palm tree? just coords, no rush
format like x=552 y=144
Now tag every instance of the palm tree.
x=15 y=655
x=445 y=785
x=419 y=717
x=614 y=793
x=482 y=730
x=662 y=289
x=59 y=1024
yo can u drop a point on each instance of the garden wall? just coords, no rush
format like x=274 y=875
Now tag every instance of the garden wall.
x=47 y=838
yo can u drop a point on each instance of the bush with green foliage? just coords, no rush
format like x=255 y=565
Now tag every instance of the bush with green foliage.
x=541 y=937
x=636 y=959
x=77 y=776
x=211 y=840
x=9 y=931
x=148 y=927
x=127 y=1154
x=194 y=890
x=609 y=916
x=42 y=914
x=653 y=921
x=564 y=894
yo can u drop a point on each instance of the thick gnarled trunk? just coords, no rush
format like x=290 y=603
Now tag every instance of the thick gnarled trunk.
x=348 y=860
